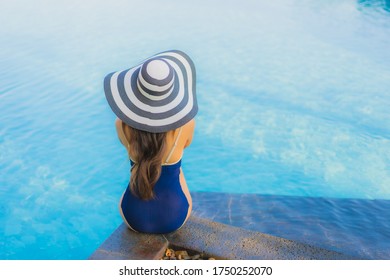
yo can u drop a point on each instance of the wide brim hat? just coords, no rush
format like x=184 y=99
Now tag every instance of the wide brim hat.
x=157 y=95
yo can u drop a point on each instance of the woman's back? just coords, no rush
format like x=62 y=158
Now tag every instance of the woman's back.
x=172 y=203
x=175 y=143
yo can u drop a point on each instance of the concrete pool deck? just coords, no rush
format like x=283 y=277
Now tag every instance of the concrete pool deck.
x=211 y=238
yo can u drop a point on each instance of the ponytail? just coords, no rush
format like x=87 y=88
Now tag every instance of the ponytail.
x=148 y=151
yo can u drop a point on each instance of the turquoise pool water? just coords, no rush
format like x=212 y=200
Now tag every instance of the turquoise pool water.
x=293 y=97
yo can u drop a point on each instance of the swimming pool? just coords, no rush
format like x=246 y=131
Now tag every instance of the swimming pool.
x=293 y=100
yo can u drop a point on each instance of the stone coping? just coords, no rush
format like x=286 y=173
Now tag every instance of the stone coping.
x=211 y=238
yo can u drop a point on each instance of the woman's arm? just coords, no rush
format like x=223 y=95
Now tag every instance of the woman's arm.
x=190 y=132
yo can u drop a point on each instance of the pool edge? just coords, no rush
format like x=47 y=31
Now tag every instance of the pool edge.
x=212 y=238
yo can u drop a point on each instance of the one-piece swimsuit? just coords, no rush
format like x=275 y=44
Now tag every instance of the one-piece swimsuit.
x=167 y=211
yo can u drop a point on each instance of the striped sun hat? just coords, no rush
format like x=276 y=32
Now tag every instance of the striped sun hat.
x=157 y=95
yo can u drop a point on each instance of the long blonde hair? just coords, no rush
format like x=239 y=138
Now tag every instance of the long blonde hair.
x=148 y=150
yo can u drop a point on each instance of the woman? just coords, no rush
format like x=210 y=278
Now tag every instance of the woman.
x=155 y=103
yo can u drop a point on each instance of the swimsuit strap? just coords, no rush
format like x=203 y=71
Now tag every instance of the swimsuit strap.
x=174 y=145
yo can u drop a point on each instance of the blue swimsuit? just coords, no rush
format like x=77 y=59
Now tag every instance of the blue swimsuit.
x=167 y=211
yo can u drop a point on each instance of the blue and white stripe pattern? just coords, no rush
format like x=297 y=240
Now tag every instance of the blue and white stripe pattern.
x=156 y=96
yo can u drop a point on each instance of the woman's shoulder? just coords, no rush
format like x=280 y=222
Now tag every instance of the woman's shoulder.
x=120 y=132
x=189 y=132
x=118 y=124
x=190 y=125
